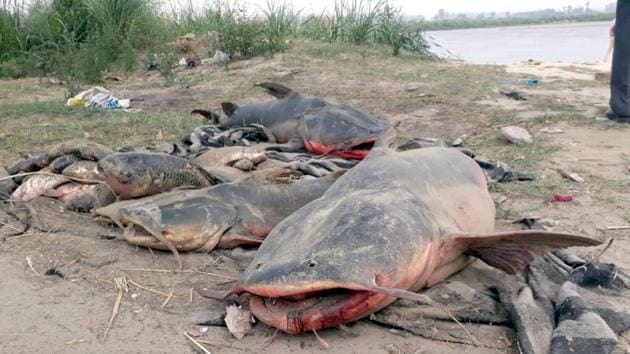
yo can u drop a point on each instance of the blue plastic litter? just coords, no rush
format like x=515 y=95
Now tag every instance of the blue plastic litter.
x=526 y=82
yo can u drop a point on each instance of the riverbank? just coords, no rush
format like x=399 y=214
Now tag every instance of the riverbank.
x=469 y=23
x=429 y=99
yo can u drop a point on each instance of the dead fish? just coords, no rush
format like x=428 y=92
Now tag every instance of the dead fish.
x=60 y=163
x=319 y=126
x=83 y=170
x=396 y=223
x=7 y=186
x=138 y=174
x=224 y=162
x=85 y=149
x=228 y=156
x=37 y=185
x=225 y=216
x=83 y=197
x=81 y=148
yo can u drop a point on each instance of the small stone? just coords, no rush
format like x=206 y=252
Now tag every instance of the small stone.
x=238 y=321
x=572 y=176
x=517 y=135
x=552 y=130
x=244 y=165
x=500 y=199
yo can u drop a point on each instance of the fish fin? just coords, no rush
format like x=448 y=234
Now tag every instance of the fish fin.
x=278 y=91
x=512 y=251
x=386 y=140
x=273 y=176
x=422 y=299
x=229 y=241
x=52 y=193
x=229 y=108
x=401 y=294
x=209 y=115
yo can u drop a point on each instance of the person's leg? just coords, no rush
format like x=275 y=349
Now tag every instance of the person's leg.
x=620 y=77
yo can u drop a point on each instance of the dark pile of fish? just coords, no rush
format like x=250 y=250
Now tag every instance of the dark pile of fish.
x=346 y=223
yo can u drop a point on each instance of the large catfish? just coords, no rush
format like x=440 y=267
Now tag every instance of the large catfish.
x=311 y=123
x=225 y=216
x=396 y=223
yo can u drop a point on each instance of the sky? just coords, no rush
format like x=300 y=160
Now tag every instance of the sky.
x=429 y=8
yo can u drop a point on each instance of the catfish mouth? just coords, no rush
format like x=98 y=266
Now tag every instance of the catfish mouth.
x=351 y=150
x=310 y=311
x=137 y=235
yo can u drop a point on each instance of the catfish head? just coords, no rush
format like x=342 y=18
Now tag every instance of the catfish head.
x=317 y=282
x=194 y=224
x=340 y=130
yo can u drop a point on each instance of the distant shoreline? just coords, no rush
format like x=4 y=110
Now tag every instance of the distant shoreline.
x=456 y=24
x=537 y=25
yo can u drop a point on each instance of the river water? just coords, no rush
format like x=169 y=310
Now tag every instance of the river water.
x=575 y=42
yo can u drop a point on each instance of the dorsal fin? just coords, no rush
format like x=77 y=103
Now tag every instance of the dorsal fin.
x=229 y=108
x=278 y=91
x=511 y=251
x=384 y=142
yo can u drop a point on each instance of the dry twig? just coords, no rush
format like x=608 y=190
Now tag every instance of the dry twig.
x=170 y=296
x=30 y=265
x=122 y=286
x=151 y=290
x=197 y=344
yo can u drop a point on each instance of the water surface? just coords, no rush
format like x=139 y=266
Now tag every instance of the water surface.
x=575 y=42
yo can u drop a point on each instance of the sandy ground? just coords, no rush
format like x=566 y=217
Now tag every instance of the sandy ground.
x=70 y=314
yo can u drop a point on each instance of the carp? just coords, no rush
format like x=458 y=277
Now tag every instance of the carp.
x=395 y=224
x=139 y=174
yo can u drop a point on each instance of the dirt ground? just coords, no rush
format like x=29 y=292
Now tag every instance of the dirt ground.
x=71 y=314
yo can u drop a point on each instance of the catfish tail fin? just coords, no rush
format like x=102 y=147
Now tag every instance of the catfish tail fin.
x=278 y=91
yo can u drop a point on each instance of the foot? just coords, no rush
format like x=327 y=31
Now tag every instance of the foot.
x=619 y=118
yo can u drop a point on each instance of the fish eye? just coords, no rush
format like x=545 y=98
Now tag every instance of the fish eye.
x=310 y=263
x=258 y=266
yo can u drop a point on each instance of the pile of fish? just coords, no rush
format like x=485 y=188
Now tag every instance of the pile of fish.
x=346 y=223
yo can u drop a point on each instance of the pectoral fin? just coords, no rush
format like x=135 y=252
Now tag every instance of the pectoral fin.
x=511 y=251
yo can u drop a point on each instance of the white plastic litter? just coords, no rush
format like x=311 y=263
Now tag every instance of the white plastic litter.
x=98 y=97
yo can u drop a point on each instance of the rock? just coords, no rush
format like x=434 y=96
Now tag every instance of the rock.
x=517 y=135
x=238 y=321
x=572 y=176
x=551 y=130
x=459 y=141
x=244 y=165
x=221 y=57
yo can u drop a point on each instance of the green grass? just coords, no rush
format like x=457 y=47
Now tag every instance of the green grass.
x=33 y=126
x=80 y=40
